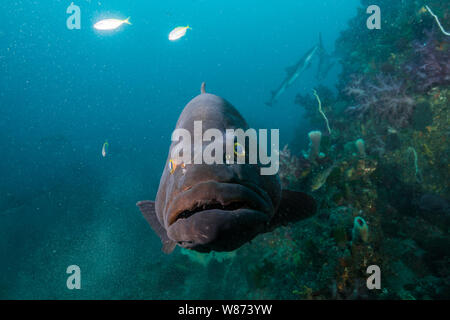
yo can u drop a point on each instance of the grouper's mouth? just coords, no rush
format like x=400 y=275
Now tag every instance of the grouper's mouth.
x=212 y=196
x=214 y=204
x=218 y=216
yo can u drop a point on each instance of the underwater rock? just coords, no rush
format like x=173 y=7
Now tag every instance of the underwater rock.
x=362 y=169
x=378 y=146
x=388 y=67
x=292 y=168
x=434 y=203
x=393 y=141
x=422 y=116
x=340 y=236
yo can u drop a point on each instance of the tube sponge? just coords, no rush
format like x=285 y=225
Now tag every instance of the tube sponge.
x=360 y=230
x=361 y=147
x=314 y=145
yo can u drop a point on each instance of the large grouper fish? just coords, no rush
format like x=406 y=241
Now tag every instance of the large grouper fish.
x=219 y=207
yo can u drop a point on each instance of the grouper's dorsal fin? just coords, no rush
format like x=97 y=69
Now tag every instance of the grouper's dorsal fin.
x=294 y=206
x=203 y=88
x=148 y=211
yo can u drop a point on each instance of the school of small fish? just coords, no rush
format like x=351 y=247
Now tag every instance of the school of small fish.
x=113 y=24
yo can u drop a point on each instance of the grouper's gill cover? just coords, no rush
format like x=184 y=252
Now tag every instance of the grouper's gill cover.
x=219 y=206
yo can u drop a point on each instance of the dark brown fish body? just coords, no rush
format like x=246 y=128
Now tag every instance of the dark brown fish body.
x=219 y=206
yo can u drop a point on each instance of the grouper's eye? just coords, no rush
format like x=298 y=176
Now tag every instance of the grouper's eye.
x=239 y=150
x=172 y=166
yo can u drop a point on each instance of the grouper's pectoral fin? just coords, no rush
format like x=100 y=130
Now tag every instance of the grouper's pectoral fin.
x=148 y=211
x=294 y=206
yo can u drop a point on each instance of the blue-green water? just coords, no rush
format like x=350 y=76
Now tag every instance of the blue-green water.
x=63 y=93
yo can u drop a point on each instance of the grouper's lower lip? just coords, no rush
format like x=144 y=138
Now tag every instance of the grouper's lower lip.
x=218 y=229
x=217 y=197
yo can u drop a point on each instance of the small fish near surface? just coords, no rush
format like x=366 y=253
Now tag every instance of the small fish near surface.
x=110 y=24
x=178 y=33
x=218 y=207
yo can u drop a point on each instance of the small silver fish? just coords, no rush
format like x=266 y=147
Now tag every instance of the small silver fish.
x=111 y=24
x=105 y=149
x=178 y=33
